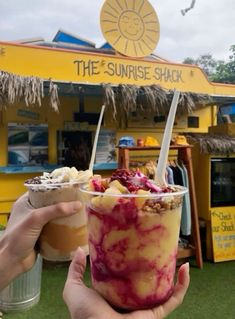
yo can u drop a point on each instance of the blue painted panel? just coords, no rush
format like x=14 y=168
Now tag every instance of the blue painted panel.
x=105 y=166
x=62 y=36
x=27 y=169
x=106 y=45
x=49 y=168
x=230 y=109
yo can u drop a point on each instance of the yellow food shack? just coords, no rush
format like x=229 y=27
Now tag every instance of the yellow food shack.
x=72 y=82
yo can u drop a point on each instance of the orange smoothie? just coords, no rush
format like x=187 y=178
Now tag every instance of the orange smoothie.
x=60 y=237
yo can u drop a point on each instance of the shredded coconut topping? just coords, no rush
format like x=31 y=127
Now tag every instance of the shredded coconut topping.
x=58 y=177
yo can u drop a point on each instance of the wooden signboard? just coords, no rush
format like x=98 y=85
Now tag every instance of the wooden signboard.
x=223 y=233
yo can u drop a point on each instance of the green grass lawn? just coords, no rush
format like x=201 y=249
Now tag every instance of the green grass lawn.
x=211 y=294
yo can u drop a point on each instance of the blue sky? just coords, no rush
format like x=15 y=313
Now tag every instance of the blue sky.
x=208 y=28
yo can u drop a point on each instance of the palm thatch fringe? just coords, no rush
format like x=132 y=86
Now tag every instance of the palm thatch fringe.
x=109 y=99
x=54 y=98
x=14 y=88
x=150 y=99
x=213 y=144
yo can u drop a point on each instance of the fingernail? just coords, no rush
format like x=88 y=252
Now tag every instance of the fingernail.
x=187 y=267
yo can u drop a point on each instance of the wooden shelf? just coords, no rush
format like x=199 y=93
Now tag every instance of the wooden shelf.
x=185 y=252
x=149 y=148
x=184 y=155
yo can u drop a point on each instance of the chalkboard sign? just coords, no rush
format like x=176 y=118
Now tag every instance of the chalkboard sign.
x=223 y=233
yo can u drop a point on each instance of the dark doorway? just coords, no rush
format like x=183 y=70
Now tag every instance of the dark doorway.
x=76 y=148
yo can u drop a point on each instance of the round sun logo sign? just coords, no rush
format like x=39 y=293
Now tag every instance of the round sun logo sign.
x=130 y=26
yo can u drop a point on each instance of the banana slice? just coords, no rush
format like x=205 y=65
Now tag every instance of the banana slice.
x=119 y=186
x=139 y=201
x=104 y=204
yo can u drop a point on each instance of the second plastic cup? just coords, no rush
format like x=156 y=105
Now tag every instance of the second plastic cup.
x=60 y=237
x=133 y=243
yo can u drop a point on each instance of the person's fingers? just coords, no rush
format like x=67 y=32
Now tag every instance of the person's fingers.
x=23 y=201
x=20 y=208
x=41 y=216
x=77 y=267
x=176 y=299
x=183 y=279
x=74 y=287
x=38 y=218
x=84 y=302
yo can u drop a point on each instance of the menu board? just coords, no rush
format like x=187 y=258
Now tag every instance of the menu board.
x=223 y=233
x=27 y=144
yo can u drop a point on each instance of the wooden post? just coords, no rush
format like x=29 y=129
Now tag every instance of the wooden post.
x=185 y=155
x=123 y=157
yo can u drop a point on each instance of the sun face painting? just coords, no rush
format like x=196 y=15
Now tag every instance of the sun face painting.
x=130 y=26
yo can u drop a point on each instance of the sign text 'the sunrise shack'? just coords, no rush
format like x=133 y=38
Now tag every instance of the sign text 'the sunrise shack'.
x=128 y=71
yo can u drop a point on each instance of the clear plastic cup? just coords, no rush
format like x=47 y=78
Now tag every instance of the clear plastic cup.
x=133 y=243
x=60 y=237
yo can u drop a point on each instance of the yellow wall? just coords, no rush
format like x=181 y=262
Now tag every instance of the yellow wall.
x=11 y=185
x=46 y=115
x=55 y=121
x=201 y=166
x=94 y=68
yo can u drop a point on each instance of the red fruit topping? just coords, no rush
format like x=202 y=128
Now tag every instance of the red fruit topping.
x=98 y=186
x=135 y=180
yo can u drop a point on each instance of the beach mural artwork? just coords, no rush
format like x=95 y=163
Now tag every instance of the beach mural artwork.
x=27 y=144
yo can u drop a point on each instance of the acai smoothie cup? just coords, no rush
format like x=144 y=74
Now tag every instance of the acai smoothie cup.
x=60 y=237
x=133 y=232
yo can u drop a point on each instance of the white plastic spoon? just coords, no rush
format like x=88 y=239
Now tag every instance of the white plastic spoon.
x=160 y=178
x=92 y=161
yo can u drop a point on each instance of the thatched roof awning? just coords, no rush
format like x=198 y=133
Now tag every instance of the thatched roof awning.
x=151 y=98
x=213 y=143
x=14 y=88
x=122 y=99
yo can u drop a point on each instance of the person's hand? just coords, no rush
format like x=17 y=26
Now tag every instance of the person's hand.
x=17 y=253
x=86 y=303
